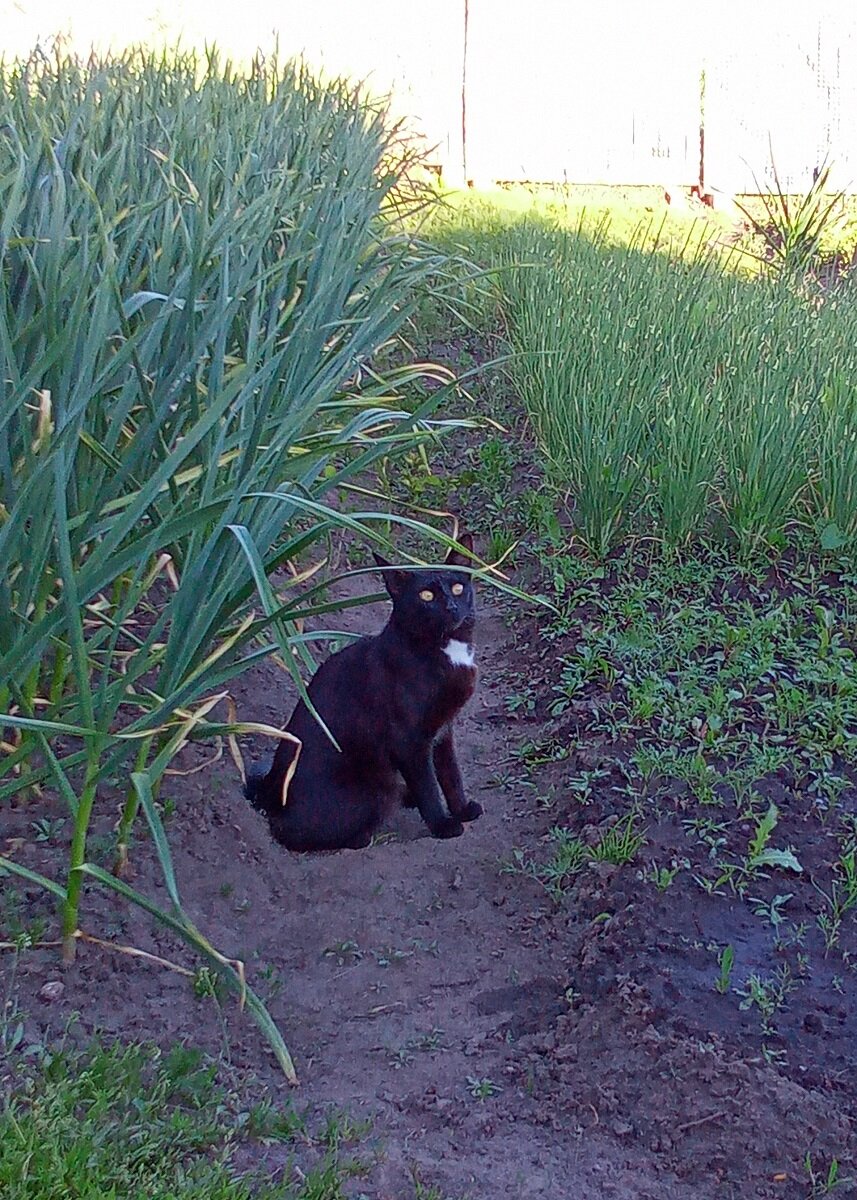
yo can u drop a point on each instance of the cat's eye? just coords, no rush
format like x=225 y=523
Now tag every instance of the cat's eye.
x=457 y=589
x=426 y=595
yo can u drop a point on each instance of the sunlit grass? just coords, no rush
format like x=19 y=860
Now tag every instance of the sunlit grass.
x=640 y=216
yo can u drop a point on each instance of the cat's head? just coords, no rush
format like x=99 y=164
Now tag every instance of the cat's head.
x=430 y=606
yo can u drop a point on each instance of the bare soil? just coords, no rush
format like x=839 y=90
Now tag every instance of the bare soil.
x=501 y=1044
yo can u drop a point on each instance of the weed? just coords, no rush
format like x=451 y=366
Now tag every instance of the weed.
x=432 y=947
x=426 y=1043
x=521 y=703
x=555 y=874
x=340 y=1129
x=345 y=953
x=272 y=1123
x=206 y=984
x=760 y=854
x=385 y=837
x=585 y=785
x=48 y=829
x=793 y=227
x=272 y=978
x=482 y=1089
x=12 y=1026
x=620 y=844
x=829 y=927
x=167 y=808
x=768 y=994
x=772 y=910
x=725 y=961
x=826 y=1182
x=391 y=956
x=841 y=898
x=422 y=1192
x=663 y=877
x=401 y=1056
x=501 y=543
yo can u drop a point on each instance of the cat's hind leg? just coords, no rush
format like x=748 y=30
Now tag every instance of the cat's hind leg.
x=325 y=825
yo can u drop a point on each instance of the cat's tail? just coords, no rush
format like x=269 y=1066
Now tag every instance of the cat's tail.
x=264 y=795
x=267 y=790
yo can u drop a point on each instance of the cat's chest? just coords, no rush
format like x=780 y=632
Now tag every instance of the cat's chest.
x=459 y=654
x=433 y=687
x=457 y=677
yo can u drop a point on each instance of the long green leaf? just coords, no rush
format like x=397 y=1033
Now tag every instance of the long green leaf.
x=189 y=934
x=8 y=864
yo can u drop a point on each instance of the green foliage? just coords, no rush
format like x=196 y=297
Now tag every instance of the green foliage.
x=620 y=844
x=824 y=1183
x=569 y=855
x=672 y=395
x=482 y=1089
x=555 y=873
x=135 y=1123
x=768 y=994
x=793 y=227
x=761 y=854
x=841 y=898
x=738 y=663
x=725 y=961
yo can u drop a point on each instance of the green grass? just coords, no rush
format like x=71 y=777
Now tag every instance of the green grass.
x=471 y=220
x=141 y=1124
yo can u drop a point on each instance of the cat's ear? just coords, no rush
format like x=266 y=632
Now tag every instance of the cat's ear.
x=393 y=580
x=455 y=558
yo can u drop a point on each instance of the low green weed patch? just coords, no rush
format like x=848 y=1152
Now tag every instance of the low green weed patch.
x=705 y=659
x=138 y=1123
x=568 y=855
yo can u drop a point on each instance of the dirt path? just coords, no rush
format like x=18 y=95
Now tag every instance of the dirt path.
x=498 y=1044
x=414 y=969
x=410 y=979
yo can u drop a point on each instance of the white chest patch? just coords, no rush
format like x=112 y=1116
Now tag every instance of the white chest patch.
x=459 y=653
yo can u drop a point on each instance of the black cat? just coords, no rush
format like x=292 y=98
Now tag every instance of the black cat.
x=390 y=702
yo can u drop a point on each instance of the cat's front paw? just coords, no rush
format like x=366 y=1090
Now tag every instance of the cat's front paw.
x=471 y=811
x=449 y=827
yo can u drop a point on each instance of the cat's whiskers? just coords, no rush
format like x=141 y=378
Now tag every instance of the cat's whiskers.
x=459 y=653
